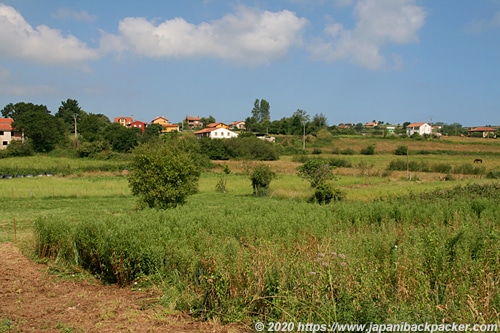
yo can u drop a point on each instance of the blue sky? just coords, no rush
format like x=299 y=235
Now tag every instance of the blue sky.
x=351 y=60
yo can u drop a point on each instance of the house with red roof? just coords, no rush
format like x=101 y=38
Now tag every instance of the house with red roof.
x=138 y=124
x=193 y=122
x=419 y=128
x=488 y=132
x=124 y=121
x=215 y=133
x=237 y=125
x=8 y=133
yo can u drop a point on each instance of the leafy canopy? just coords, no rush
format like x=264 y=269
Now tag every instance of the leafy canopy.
x=164 y=174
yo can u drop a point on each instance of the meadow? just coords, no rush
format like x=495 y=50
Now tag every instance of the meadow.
x=410 y=246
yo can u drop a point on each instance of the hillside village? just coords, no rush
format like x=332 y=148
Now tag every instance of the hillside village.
x=298 y=124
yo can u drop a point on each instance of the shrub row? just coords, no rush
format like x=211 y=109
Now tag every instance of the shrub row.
x=429 y=257
x=423 y=166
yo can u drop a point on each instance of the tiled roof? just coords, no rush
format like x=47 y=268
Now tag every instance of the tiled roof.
x=6 y=124
x=205 y=130
x=416 y=124
x=482 y=129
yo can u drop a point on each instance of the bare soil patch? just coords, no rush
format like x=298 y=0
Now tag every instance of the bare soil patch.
x=31 y=300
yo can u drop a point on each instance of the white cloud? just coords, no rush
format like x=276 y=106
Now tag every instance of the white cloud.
x=478 y=26
x=42 y=44
x=84 y=16
x=27 y=90
x=378 y=23
x=247 y=36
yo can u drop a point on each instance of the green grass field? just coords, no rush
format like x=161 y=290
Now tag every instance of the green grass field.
x=389 y=252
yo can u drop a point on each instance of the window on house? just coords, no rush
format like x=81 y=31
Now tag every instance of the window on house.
x=4 y=143
x=1 y=133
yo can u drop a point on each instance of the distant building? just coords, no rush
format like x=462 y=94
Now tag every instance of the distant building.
x=8 y=133
x=418 y=128
x=371 y=124
x=217 y=125
x=193 y=122
x=237 y=125
x=138 y=124
x=488 y=132
x=215 y=133
x=167 y=127
x=124 y=121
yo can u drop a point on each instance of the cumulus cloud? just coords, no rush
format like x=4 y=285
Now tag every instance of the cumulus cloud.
x=42 y=44
x=378 y=23
x=64 y=13
x=247 y=36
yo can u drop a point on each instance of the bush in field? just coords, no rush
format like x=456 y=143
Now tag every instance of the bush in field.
x=214 y=149
x=347 y=151
x=251 y=148
x=221 y=184
x=316 y=171
x=370 y=150
x=325 y=193
x=339 y=163
x=469 y=169
x=442 y=168
x=18 y=148
x=493 y=175
x=401 y=150
x=261 y=177
x=164 y=174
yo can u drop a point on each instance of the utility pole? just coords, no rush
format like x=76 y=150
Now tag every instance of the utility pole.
x=304 y=136
x=75 y=142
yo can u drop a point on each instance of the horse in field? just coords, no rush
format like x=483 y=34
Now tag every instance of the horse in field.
x=478 y=160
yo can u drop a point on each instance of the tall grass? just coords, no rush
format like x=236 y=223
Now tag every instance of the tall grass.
x=432 y=257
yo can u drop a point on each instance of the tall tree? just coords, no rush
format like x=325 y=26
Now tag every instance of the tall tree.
x=92 y=127
x=205 y=121
x=40 y=128
x=318 y=122
x=260 y=119
x=122 y=139
x=67 y=112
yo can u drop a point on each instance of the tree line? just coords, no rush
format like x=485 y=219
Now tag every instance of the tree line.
x=89 y=134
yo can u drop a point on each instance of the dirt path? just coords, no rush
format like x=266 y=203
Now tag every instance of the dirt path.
x=31 y=300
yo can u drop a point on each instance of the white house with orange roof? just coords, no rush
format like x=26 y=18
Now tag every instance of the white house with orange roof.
x=8 y=133
x=215 y=133
x=418 y=128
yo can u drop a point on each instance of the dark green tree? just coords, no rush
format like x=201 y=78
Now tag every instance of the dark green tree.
x=261 y=176
x=316 y=171
x=120 y=138
x=92 y=127
x=260 y=118
x=164 y=174
x=68 y=111
x=40 y=128
x=207 y=120
x=318 y=122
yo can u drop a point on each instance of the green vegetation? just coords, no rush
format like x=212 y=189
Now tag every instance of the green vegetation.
x=261 y=176
x=164 y=174
x=392 y=250
x=428 y=257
